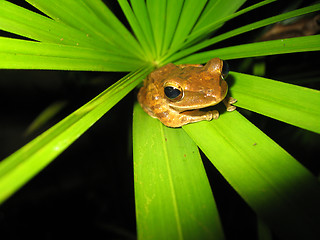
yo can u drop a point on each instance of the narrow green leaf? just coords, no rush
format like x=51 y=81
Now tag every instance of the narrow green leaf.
x=141 y=13
x=247 y=28
x=289 y=103
x=199 y=34
x=26 y=23
x=216 y=23
x=157 y=11
x=21 y=166
x=21 y=54
x=107 y=17
x=137 y=29
x=173 y=12
x=75 y=14
x=190 y=13
x=216 y=10
x=172 y=193
x=80 y=16
x=290 y=45
x=278 y=188
x=46 y=115
x=16 y=61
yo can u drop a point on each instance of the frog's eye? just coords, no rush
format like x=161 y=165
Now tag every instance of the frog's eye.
x=225 y=69
x=173 y=93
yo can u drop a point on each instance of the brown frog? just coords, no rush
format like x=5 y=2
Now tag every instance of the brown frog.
x=175 y=93
x=305 y=26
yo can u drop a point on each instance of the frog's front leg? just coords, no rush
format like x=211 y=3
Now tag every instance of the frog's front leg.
x=179 y=119
x=197 y=116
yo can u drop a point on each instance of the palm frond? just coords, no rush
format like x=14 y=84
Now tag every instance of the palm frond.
x=262 y=23
x=170 y=174
x=289 y=103
x=281 y=46
x=279 y=189
x=21 y=54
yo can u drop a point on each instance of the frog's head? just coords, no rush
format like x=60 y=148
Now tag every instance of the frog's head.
x=195 y=87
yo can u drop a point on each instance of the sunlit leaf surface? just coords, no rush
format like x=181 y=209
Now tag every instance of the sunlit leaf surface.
x=173 y=195
x=271 y=181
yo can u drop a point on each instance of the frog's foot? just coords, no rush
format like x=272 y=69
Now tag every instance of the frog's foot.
x=228 y=101
x=214 y=114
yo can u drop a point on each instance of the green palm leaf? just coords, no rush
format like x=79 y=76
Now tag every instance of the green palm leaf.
x=289 y=103
x=189 y=15
x=299 y=44
x=173 y=197
x=31 y=25
x=34 y=55
x=243 y=29
x=172 y=190
x=83 y=17
x=271 y=181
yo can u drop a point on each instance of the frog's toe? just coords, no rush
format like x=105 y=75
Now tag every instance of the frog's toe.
x=231 y=108
x=232 y=100
x=228 y=101
x=212 y=115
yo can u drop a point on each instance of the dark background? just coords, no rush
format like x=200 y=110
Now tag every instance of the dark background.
x=88 y=190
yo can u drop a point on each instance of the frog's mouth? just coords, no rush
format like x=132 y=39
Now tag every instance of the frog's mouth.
x=202 y=107
x=199 y=102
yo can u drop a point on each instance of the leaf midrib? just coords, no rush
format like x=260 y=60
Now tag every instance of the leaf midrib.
x=170 y=179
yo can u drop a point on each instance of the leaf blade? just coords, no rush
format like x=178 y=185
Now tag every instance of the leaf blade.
x=137 y=29
x=142 y=15
x=213 y=25
x=278 y=188
x=282 y=46
x=26 y=23
x=244 y=29
x=106 y=16
x=173 y=12
x=173 y=195
x=21 y=54
x=79 y=15
x=282 y=101
x=156 y=12
x=191 y=10
x=211 y=12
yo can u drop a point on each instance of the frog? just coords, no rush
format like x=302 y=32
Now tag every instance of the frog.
x=178 y=94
